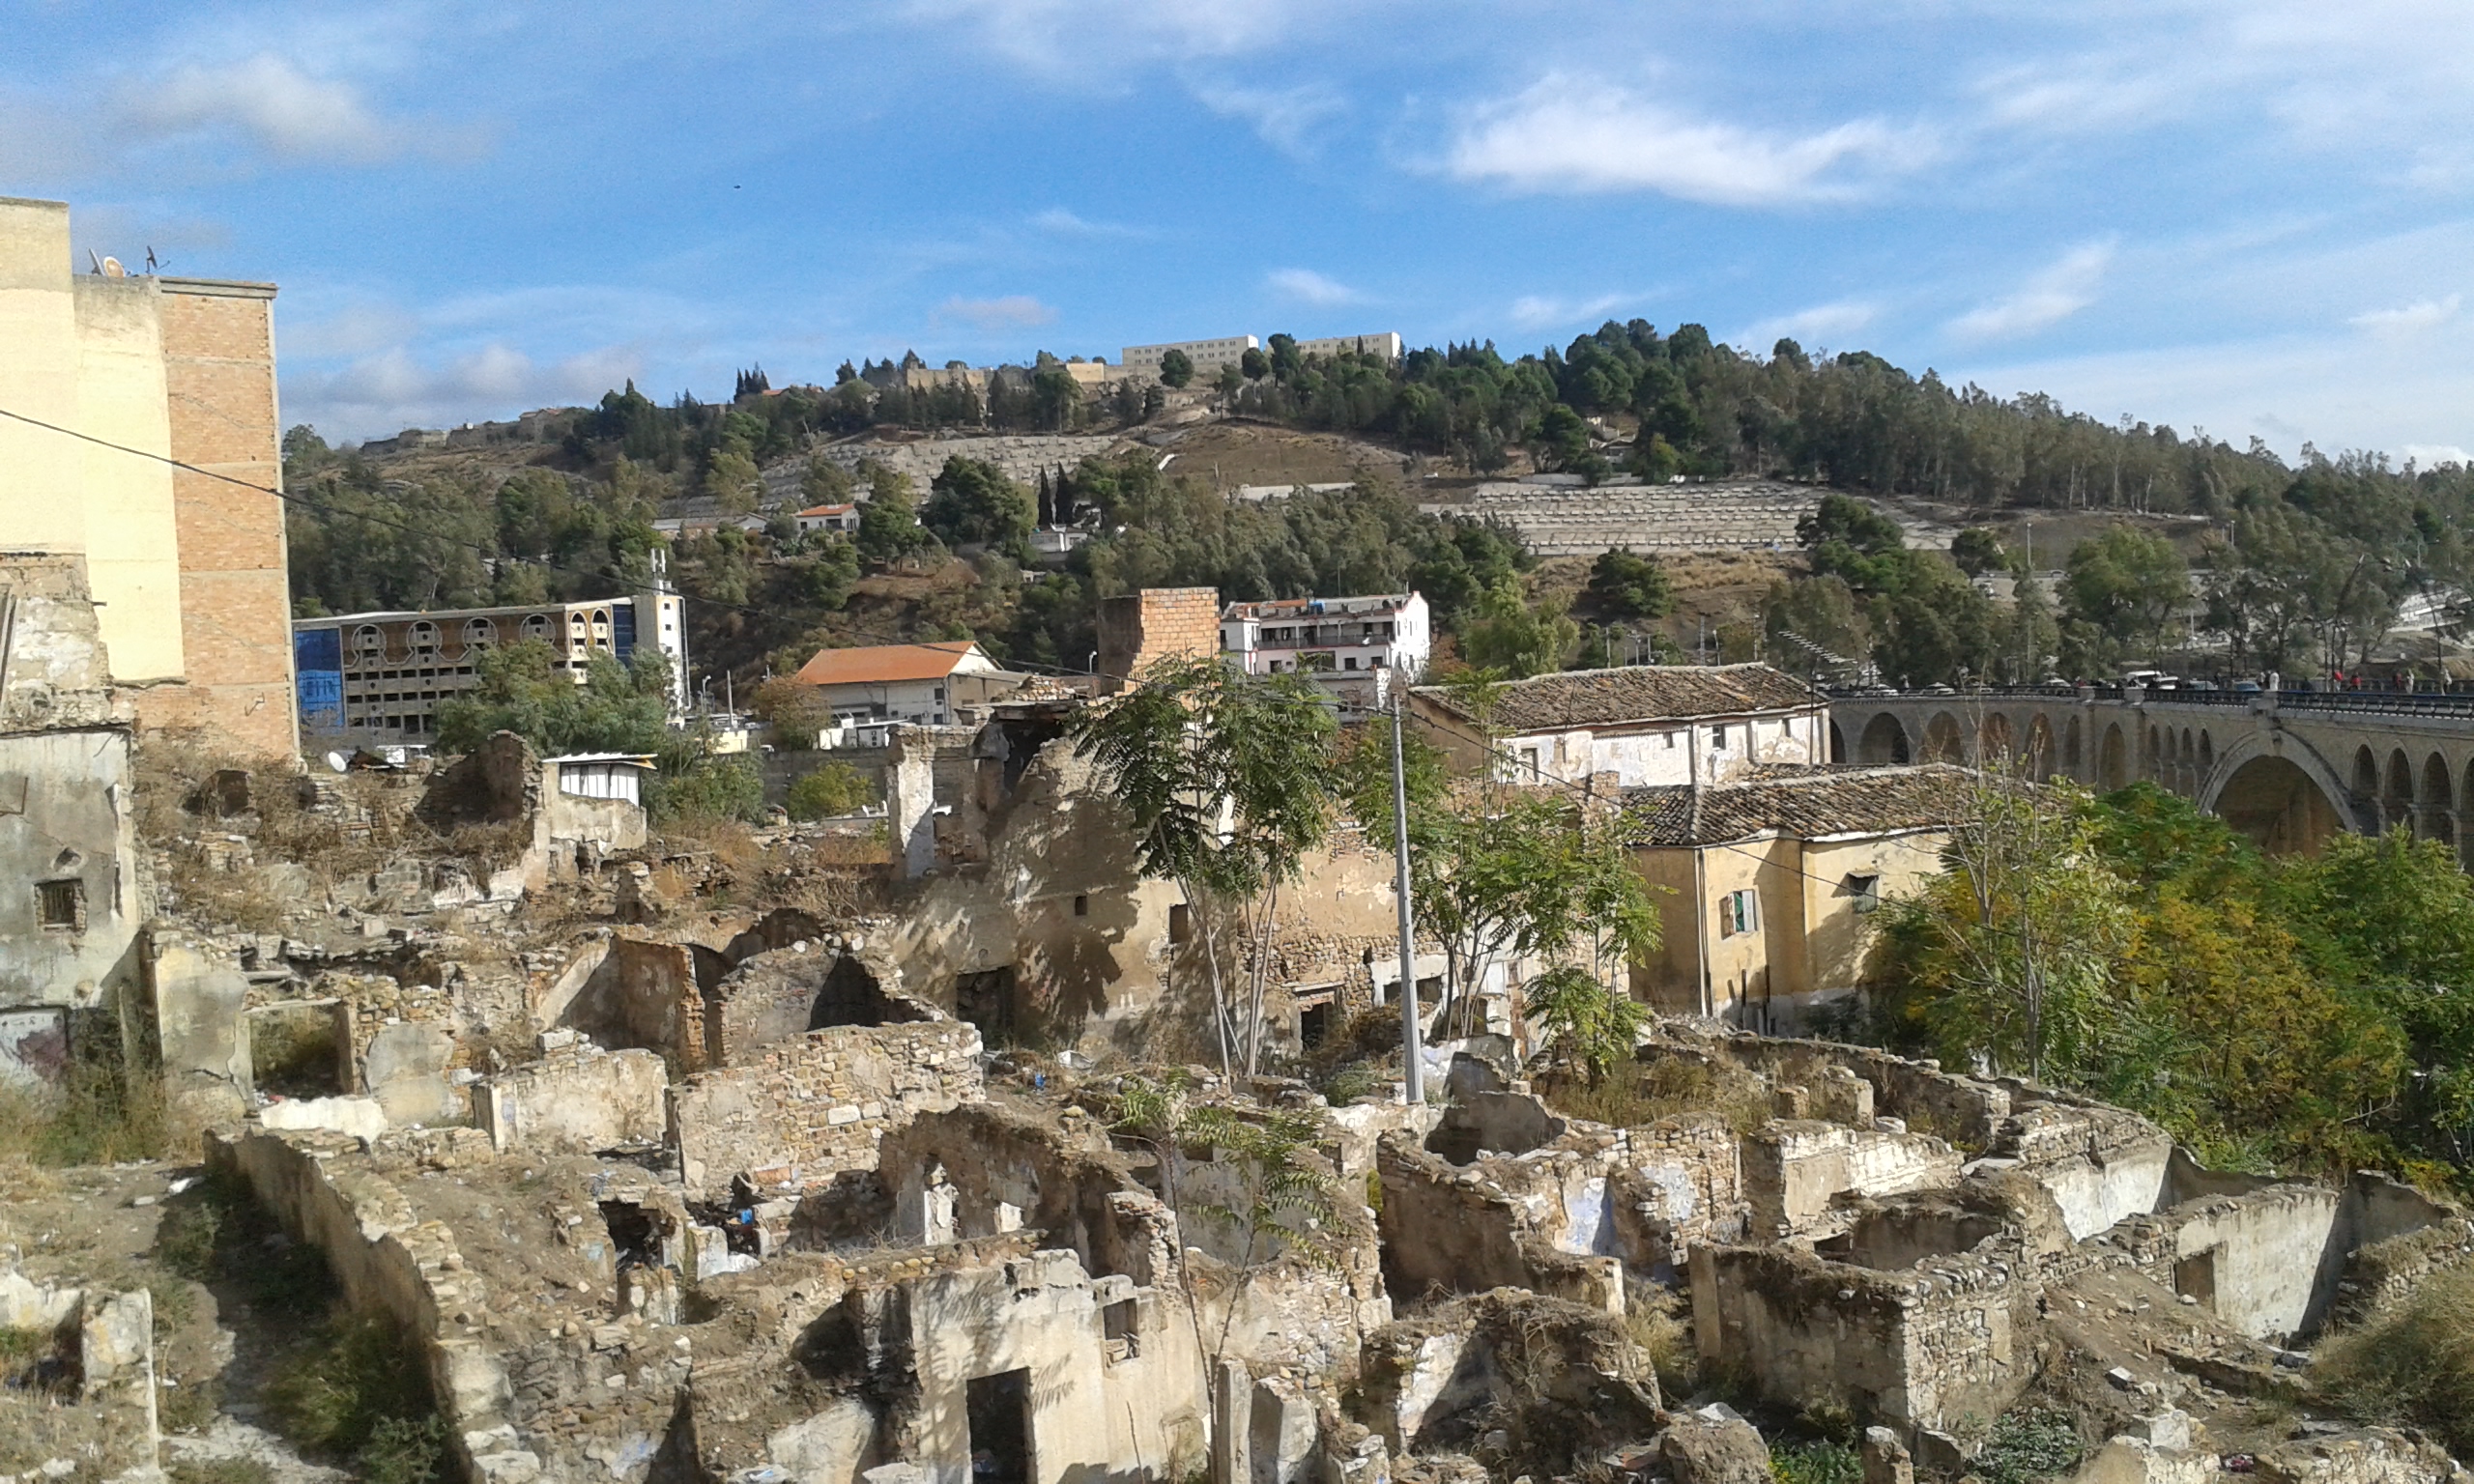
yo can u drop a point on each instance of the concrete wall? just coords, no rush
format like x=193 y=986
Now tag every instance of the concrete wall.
x=134 y=555
x=1796 y=1172
x=66 y=818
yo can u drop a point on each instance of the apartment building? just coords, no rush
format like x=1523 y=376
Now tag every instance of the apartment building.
x=383 y=676
x=1637 y=726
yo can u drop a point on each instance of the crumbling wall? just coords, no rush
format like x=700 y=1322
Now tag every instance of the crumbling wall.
x=981 y=1171
x=68 y=854
x=1918 y=1093
x=1561 y=1381
x=784 y=993
x=803 y=1110
x=2099 y=1163
x=578 y=1098
x=1797 y=1172
x=640 y=994
x=105 y=1340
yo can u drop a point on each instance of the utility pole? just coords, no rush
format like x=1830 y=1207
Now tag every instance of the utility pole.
x=1411 y=1053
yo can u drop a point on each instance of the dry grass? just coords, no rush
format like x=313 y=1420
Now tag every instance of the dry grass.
x=1652 y=1321
x=1666 y=1088
x=2413 y=1364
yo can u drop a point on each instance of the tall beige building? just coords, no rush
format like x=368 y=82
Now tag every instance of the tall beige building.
x=187 y=570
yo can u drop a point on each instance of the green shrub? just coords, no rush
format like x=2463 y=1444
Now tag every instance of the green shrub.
x=219 y=1471
x=707 y=788
x=1819 y=1462
x=2413 y=1364
x=358 y=1391
x=2027 y=1445
x=830 y=793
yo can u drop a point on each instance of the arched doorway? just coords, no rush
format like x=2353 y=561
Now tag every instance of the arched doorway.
x=1943 y=740
x=2279 y=806
x=1883 y=741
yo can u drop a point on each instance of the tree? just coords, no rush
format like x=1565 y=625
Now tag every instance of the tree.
x=2122 y=589
x=972 y=502
x=1978 y=550
x=889 y=530
x=732 y=478
x=1223 y=778
x=1511 y=635
x=1177 y=368
x=1623 y=585
x=830 y=793
x=618 y=708
x=1253 y=364
x=824 y=482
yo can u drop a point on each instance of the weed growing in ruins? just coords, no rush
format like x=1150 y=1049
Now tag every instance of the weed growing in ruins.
x=215 y=1233
x=1663 y=1339
x=356 y=1392
x=102 y=1113
x=1592 y=1028
x=219 y=1471
x=2412 y=1363
x=2025 y=1445
x=1818 y=1462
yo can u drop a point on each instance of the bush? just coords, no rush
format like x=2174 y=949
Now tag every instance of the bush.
x=830 y=793
x=2027 y=1445
x=1819 y=1462
x=357 y=1392
x=102 y=1113
x=707 y=788
x=2413 y=1364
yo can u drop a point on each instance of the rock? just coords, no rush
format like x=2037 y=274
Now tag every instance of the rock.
x=2121 y=1378
x=1939 y=1453
x=1699 y=1449
x=2167 y=1429
x=1886 y=1457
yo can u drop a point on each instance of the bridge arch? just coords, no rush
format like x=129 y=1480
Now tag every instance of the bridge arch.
x=2207 y=757
x=2074 y=747
x=2039 y=749
x=2112 y=760
x=2396 y=799
x=2288 y=800
x=2186 y=764
x=1884 y=739
x=1837 y=745
x=1943 y=742
x=2438 y=798
x=1994 y=739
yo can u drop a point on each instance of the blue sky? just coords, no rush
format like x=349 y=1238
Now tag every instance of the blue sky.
x=2254 y=216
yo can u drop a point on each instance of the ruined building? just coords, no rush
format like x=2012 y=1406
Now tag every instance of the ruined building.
x=186 y=567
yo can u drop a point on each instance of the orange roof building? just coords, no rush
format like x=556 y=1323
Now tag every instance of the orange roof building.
x=935 y=684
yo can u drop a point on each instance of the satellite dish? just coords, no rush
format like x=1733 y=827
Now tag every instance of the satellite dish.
x=339 y=762
x=113 y=269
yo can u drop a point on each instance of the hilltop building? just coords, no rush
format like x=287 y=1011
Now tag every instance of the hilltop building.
x=381 y=676
x=932 y=685
x=137 y=376
x=1353 y=648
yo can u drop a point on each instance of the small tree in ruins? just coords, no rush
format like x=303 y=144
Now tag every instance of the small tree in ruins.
x=1225 y=777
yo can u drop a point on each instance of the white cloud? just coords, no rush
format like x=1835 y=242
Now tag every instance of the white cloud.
x=2423 y=314
x=1057 y=222
x=2430 y=455
x=1087 y=37
x=1287 y=118
x=381 y=394
x=1538 y=312
x=1580 y=135
x=1012 y=311
x=268 y=101
x=1820 y=323
x=1304 y=286
x=2049 y=297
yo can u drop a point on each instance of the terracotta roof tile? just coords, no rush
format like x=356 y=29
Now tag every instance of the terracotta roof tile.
x=884 y=664
x=1804 y=803
x=1637 y=693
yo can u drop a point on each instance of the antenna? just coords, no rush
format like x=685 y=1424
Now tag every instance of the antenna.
x=113 y=269
x=91 y=258
x=150 y=258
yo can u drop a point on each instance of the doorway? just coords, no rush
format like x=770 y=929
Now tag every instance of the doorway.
x=999 y=1409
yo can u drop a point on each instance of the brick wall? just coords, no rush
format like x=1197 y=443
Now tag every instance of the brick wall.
x=236 y=596
x=805 y=1110
x=1138 y=629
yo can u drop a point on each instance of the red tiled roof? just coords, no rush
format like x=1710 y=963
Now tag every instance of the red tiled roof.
x=1638 y=693
x=883 y=663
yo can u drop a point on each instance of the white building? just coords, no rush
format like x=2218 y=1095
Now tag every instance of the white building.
x=1352 y=646
x=1142 y=362
x=1386 y=345
x=841 y=518
x=936 y=685
x=1644 y=724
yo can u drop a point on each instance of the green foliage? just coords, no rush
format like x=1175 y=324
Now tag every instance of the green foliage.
x=620 y=708
x=1927 y=623
x=1623 y=585
x=356 y=1392
x=2028 y=1446
x=703 y=787
x=973 y=502
x=2413 y=1365
x=1515 y=637
x=889 y=527
x=1177 y=368
x=1588 y=1026
x=1976 y=550
x=183 y=1470
x=1818 y=1462
x=2120 y=594
x=830 y=793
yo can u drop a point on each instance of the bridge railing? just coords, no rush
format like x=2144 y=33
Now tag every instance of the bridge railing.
x=2356 y=702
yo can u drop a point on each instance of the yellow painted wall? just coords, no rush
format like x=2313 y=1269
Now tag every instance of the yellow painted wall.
x=1840 y=936
x=134 y=557
x=41 y=472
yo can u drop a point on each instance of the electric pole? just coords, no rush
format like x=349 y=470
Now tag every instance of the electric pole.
x=1412 y=1052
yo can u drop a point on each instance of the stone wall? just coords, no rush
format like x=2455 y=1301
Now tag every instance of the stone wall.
x=1797 y=1172
x=2100 y=1164
x=579 y=1100
x=782 y=995
x=804 y=1110
x=1140 y=629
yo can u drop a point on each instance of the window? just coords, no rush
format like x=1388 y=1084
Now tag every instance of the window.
x=1181 y=922
x=1867 y=890
x=1082 y=905
x=1529 y=761
x=1719 y=736
x=1739 y=912
x=1121 y=1329
x=61 y=905
x=1670 y=741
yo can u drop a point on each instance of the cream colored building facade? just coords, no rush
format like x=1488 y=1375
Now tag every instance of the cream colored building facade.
x=187 y=570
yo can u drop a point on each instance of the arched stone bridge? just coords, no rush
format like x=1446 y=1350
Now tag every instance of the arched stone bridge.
x=2287 y=769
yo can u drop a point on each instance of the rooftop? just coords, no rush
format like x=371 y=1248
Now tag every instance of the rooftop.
x=434 y=614
x=1636 y=692
x=885 y=664
x=1805 y=803
x=1324 y=607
